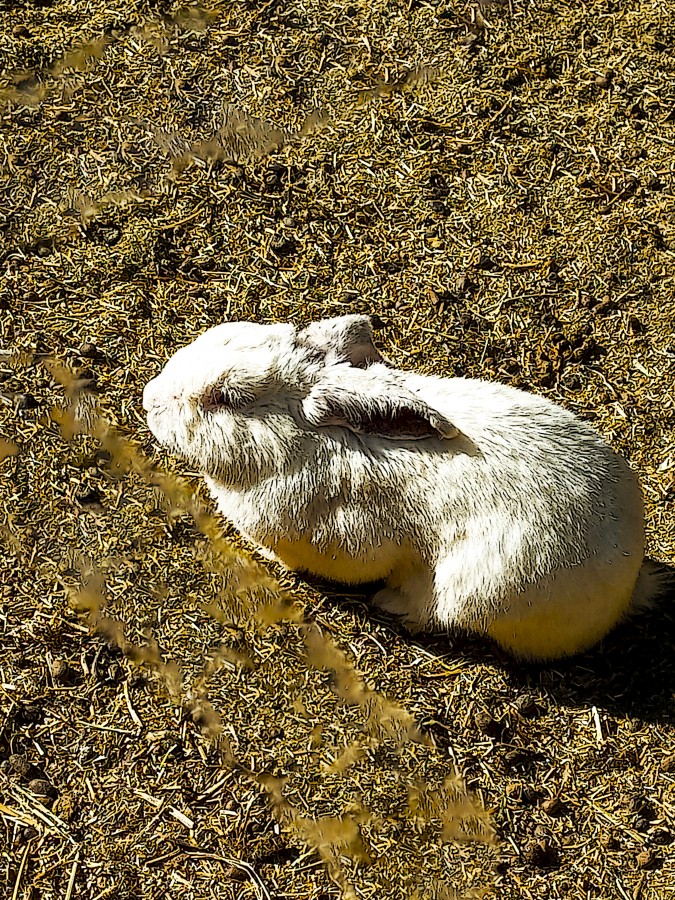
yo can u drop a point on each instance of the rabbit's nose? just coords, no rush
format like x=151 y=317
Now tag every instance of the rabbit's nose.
x=150 y=394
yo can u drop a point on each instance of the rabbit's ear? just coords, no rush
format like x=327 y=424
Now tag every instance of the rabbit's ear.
x=343 y=339
x=379 y=405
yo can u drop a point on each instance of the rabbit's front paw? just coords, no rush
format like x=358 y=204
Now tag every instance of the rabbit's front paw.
x=392 y=602
x=399 y=604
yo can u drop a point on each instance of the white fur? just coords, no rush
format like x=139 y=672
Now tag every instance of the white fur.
x=479 y=505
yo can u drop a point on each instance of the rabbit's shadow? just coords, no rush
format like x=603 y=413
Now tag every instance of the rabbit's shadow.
x=631 y=672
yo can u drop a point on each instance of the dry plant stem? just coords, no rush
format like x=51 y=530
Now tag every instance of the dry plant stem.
x=19 y=873
x=511 y=218
x=330 y=836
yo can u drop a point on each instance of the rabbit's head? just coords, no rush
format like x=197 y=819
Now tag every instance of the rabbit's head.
x=247 y=401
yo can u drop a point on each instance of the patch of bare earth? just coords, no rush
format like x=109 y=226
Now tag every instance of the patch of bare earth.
x=496 y=182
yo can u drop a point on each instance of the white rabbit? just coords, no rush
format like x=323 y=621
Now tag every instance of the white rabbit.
x=479 y=505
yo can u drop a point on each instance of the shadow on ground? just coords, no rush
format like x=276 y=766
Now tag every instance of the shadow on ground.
x=630 y=673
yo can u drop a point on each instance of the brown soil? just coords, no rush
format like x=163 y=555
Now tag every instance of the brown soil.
x=496 y=182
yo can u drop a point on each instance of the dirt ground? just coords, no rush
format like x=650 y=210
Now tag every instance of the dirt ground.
x=496 y=182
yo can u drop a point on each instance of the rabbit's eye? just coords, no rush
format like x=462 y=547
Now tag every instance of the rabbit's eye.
x=225 y=397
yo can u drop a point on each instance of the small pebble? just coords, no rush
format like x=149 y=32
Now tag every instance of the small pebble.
x=515 y=758
x=42 y=788
x=501 y=866
x=605 y=80
x=487 y=724
x=612 y=841
x=87 y=350
x=19 y=763
x=553 y=807
x=61 y=672
x=44 y=247
x=661 y=836
x=29 y=714
x=541 y=854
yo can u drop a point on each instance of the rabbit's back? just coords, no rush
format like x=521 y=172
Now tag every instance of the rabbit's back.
x=553 y=534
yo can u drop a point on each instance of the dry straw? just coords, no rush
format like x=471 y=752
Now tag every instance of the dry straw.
x=495 y=181
x=252 y=595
